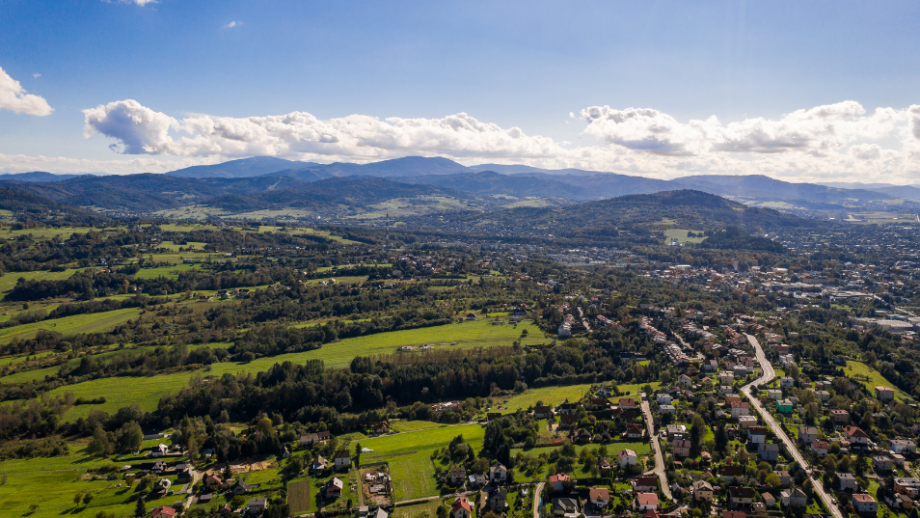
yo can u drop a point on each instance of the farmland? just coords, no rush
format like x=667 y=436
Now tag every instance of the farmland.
x=94 y=323
x=299 y=496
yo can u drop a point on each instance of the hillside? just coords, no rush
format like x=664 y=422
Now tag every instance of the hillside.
x=243 y=168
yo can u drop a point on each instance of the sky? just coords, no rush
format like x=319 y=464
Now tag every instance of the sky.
x=800 y=91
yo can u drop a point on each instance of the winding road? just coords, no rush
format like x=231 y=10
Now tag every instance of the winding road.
x=659 y=458
x=769 y=374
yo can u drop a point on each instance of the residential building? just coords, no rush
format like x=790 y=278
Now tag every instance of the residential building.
x=599 y=497
x=562 y=506
x=644 y=484
x=702 y=490
x=558 y=481
x=820 y=448
x=498 y=474
x=457 y=475
x=681 y=447
x=856 y=436
x=903 y=446
x=257 y=506
x=627 y=458
x=793 y=497
x=807 y=434
x=645 y=502
x=865 y=504
x=740 y=409
x=740 y=497
x=768 y=451
x=840 y=416
x=785 y=479
x=342 y=460
x=909 y=486
x=884 y=394
x=461 y=508
x=847 y=482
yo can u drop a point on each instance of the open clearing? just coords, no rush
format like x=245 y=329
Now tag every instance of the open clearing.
x=9 y=279
x=875 y=378
x=299 y=496
x=75 y=324
x=680 y=234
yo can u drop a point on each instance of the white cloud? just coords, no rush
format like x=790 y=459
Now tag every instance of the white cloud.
x=64 y=165
x=36 y=75
x=14 y=97
x=232 y=25
x=838 y=141
x=141 y=3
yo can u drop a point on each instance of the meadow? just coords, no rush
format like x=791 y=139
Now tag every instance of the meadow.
x=75 y=324
x=409 y=456
x=875 y=378
x=9 y=279
x=681 y=234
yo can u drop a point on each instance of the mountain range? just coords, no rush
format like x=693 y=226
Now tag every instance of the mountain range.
x=269 y=183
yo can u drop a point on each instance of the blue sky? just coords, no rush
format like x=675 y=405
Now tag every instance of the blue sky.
x=529 y=65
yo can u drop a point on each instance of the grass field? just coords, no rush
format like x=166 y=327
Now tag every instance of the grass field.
x=412 y=426
x=409 y=456
x=340 y=280
x=875 y=378
x=680 y=234
x=426 y=508
x=9 y=279
x=641 y=448
x=298 y=496
x=164 y=271
x=468 y=335
x=50 y=483
x=93 y=323
x=122 y=391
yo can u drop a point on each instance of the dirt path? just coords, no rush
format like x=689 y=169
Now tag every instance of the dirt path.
x=659 y=458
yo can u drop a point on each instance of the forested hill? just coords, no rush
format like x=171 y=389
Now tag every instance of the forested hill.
x=29 y=207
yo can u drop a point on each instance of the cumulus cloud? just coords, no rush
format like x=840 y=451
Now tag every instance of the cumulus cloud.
x=14 y=97
x=835 y=141
x=140 y=130
x=232 y=25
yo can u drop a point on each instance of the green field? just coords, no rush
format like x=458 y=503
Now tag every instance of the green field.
x=409 y=456
x=875 y=378
x=9 y=279
x=50 y=483
x=299 y=498
x=92 y=323
x=122 y=391
x=164 y=271
x=468 y=335
x=680 y=234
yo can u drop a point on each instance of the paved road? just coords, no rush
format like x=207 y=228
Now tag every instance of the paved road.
x=769 y=374
x=538 y=490
x=659 y=458
x=196 y=476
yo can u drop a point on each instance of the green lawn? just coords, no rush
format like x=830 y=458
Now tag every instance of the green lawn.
x=875 y=378
x=122 y=391
x=412 y=426
x=680 y=234
x=164 y=271
x=548 y=395
x=409 y=456
x=92 y=323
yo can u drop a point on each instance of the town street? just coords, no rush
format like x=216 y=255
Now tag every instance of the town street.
x=659 y=458
x=769 y=374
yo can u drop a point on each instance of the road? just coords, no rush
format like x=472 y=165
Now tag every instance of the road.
x=196 y=476
x=538 y=490
x=659 y=458
x=769 y=374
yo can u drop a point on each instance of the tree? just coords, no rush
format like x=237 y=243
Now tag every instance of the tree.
x=77 y=498
x=140 y=509
x=87 y=498
x=358 y=455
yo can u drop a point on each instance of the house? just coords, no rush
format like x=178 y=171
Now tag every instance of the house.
x=380 y=512
x=563 y=506
x=240 y=488
x=784 y=406
x=476 y=480
x=457 y=475
x=785 y=479
x=725 y=390
x=342 y=460
x=542 y=411
x=864 y=503
x=768 y=501
x=808 y=434
x=884 y=394
x=747 y=421
x=635 y=431
x=604 y=467
x=740 y=496
x=847 y=482
x=558 y=481
x=775 y=394
x=644 y=484
x=627 y=403
x=334 y=488
x=676 y=431
x=645 y=502
x=857 y=436
x=663 y=398
x=567 y=420
x=768 y=451
x=840 y=416
x=159 y=450
x=627 y=458
x=734 y=514
x=757 y=435
x=882 y=463
x=461 y=508
x=726 y=378
x=793 y=497
x=214 y=483
x=820 y=448
x=306 y=440
x=903 y=446
x=498 y=500
x=667 y=409
x=319 y=463
x=823 y=395
x=740 y=409
x=702 y=490
x=599 y=497
x=163 y=512
x=786 y=381
x=257 y=506
x=909 y=486
x=498 y=474
x=684 y=380
x=681 y=447
x=162 y=486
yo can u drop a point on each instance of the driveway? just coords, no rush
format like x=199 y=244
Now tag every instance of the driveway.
x=769 y=374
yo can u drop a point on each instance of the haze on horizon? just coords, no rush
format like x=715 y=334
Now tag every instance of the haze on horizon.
x=821 y=92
